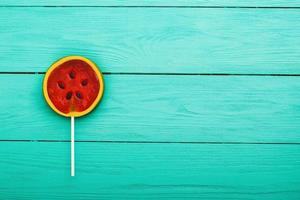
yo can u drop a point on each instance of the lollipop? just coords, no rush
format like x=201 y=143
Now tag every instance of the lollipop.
x=72 y=87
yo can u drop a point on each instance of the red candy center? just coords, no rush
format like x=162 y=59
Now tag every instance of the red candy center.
x=73 y=86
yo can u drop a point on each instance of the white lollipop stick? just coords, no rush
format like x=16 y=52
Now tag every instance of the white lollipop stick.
x=72 y=146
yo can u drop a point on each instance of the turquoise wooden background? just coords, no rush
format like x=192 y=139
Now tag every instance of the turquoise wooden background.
x=202 y=100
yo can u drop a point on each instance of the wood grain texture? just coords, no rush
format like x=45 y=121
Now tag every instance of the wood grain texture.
x=153 y=171
x=134 y=145
x=161 y=108
x=268 y=3
x=153 y=39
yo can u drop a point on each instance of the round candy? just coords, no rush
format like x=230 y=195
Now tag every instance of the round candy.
x=73 y=86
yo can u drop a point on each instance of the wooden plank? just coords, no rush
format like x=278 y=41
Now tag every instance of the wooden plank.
x=176 y=41
x=161 y=108
x=268 y=3
x=149 y=171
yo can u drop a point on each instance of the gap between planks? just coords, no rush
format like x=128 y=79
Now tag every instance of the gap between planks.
x=160 y=142
x=196 y=7
x=168 y=74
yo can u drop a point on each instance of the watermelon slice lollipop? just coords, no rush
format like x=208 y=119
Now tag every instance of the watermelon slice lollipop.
x=72 y=87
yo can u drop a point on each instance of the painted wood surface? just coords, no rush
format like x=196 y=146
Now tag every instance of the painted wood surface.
x=40 y=170
x=177 y=40
x=235 y=3
x=162 y=108
x=160 y=132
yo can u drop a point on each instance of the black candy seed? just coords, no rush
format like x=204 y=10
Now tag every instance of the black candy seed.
x=61 y=85
x=79 y=95
x=84 y=82
x=69 y=95
x=72 y=74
